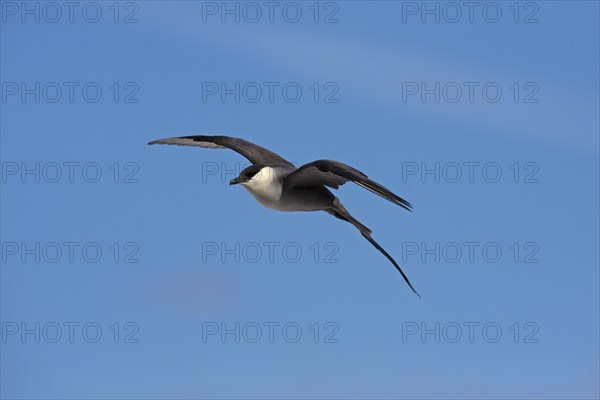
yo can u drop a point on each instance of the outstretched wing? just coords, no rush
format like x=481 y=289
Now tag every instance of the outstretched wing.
x=254 y=153
x=334 y=174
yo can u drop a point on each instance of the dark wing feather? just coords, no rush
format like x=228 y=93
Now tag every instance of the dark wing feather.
x=254 y=153
x=334 y=174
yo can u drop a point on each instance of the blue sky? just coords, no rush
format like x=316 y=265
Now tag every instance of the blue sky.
x=499 y=157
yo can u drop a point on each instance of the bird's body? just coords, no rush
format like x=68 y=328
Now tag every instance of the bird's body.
x=269 y=189
x=278 y=185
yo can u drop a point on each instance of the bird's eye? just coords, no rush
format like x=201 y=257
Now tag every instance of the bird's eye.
x=249 y=174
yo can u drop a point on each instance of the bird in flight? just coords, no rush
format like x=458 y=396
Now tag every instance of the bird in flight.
x=277 y=184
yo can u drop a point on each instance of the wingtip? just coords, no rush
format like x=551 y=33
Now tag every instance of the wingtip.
x=164 y=140
x=160 y=141
x=407 y=206
x=403 y=203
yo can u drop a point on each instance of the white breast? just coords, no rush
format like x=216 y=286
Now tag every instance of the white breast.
x=266 y=186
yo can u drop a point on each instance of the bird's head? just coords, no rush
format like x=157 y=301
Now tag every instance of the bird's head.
x=248 y=175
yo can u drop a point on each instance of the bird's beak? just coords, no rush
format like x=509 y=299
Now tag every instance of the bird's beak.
x=237 y=180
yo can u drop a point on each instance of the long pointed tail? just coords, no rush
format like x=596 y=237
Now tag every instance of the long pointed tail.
x=385 y=253
x=340 y=212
